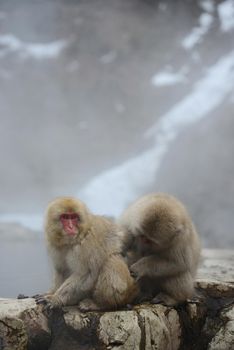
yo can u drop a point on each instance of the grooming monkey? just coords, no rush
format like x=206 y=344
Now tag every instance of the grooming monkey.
x=162 y=248
x=86 y=253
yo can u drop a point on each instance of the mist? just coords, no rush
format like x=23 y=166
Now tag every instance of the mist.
x=107 y=101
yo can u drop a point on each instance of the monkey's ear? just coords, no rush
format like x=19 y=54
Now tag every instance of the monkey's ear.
x=180 y=230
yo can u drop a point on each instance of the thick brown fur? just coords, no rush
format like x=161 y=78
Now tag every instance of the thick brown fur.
x=88 y=267
x=163 y=247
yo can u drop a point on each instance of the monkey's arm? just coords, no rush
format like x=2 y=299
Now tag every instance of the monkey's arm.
x=58 y=279
x=152 y=266
x=73 y=289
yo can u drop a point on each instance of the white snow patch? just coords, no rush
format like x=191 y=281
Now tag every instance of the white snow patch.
x=226 y=15
x=33 y=222
x=110 y=192
x=207 y=5
x=166 y=78
x=10 y=43
x=162 y=6
x=197 y=33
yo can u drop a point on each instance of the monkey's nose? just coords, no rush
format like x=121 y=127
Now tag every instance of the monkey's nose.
x=70 y=223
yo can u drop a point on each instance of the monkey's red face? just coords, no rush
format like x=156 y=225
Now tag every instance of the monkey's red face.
x=70 y=223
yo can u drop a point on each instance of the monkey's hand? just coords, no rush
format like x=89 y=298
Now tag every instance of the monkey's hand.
x=136 y=271
x=49 y=302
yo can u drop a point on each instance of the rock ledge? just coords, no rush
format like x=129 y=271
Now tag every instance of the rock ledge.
x=206 y=323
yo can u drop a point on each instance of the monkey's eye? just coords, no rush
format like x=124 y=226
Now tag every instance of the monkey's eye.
x=64 y=216
x=74 y=216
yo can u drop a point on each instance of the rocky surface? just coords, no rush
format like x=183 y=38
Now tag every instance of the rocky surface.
x=207 y=322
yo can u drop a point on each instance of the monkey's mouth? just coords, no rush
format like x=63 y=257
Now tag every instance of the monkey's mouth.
x=71 y=231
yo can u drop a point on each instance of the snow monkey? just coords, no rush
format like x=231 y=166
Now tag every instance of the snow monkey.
x=86 y=253
x=163 y=248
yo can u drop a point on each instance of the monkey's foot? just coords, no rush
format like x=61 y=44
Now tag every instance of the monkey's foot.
x=143 y=298
x=133 y=274
x=164 y=299
x=129 y=306
x=134 y=271
x=88 y=305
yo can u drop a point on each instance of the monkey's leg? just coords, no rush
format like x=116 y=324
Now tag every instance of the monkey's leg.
x=176 y=290
x=88 y=305
x=115 y=287
x=164 y=299
x=149 y=287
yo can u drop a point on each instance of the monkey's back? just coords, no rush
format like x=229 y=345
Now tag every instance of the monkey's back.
x=164 y=219
x=151 y=207
x=107 y=234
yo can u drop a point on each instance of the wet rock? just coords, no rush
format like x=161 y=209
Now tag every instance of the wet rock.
x=22 y=325
x=224 y=338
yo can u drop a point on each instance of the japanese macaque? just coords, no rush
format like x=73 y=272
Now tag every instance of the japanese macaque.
x=89 y=269
x=162 y=248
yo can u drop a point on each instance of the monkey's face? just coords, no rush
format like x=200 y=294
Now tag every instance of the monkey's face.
x=70 y=223
x=67 y=221
x=158 y=233
x=145 y=245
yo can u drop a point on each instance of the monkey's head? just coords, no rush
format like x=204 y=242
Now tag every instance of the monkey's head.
x=161 y=229
x=67 y=221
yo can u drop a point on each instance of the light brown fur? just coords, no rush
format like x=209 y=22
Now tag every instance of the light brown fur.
x=168 y=264
x=88 y=267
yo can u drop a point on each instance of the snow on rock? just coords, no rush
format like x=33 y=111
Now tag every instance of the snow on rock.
x=226 y=15
x=166 y=78
x=10 y=43
x=207 y=5
x=197 y=33
x=32 y=222
x=109 y=192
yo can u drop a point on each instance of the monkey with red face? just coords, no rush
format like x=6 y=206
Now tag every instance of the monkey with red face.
x=86 y=253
